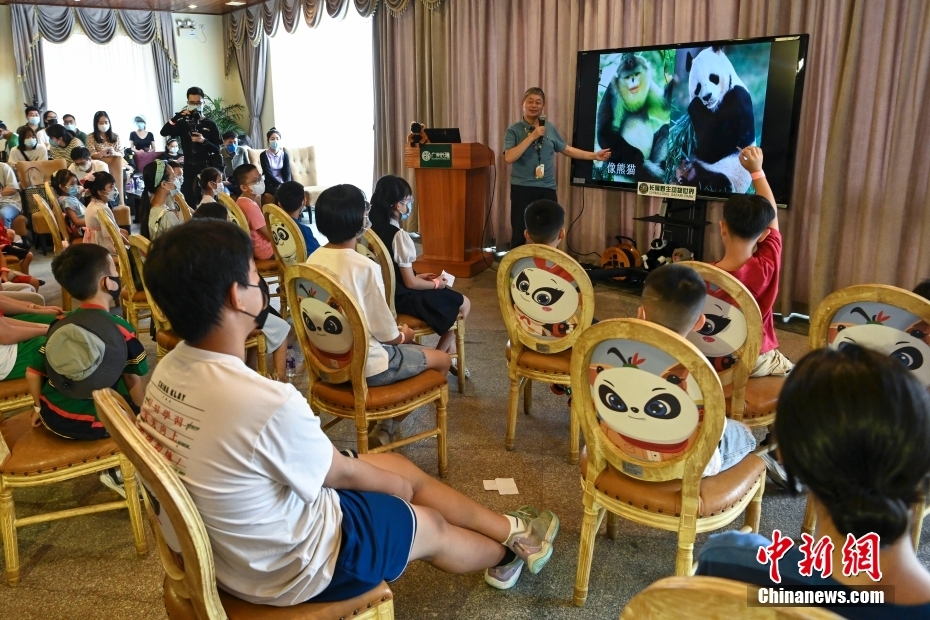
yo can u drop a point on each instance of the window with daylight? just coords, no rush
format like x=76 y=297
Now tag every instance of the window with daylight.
x=83 y=77
x=323 y=96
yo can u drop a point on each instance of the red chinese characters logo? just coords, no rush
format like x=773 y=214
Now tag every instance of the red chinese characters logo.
x=772 y=553
x=861 y=555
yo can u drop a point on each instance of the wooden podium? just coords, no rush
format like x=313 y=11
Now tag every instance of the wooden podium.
x=451 y=203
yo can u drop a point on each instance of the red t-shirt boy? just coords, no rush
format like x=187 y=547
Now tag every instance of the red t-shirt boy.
x=753 y=256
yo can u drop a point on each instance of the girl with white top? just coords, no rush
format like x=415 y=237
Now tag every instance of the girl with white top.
x=29 y=148
x=102 y=190
x=211 y=184
x=161 y=184
x=424 y=295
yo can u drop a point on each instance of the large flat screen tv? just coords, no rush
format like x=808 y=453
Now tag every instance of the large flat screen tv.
x=678 y=114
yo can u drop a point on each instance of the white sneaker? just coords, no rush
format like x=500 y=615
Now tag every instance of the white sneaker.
x=113 y=480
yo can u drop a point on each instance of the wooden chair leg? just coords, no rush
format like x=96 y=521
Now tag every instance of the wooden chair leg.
x=135 y=508
x=8 y=535
x=810 y=517
x=460 y=352
x=613 y=526
x=592 y=516
x=262 y=352
x=361 y=437
x=512 y=403
x=754 y=509
x=917 y=522
x=685 y=554
x=574 y=435
x=441 y=423
x=527 y=396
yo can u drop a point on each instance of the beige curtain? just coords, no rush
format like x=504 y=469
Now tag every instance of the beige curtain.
x=860 y=207
x=412 y=81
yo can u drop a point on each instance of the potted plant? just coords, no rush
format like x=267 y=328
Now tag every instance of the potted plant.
x=226 y=117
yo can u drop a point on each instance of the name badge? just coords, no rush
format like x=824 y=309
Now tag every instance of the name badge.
x=540 y=171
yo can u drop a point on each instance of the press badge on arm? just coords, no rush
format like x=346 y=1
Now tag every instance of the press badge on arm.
x=540 y=171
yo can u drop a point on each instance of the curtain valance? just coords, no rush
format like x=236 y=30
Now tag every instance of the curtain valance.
x=32 y=23
x=250 y=23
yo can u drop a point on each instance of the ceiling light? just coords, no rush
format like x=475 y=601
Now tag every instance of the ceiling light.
x=192 y=6
x=235 y=3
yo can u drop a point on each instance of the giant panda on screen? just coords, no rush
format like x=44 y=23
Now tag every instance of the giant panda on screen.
x=724 y=123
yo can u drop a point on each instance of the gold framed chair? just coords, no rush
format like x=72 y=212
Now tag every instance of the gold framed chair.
x=370 y=245
x=710 y=598
x=59 y=214
x=547 y=301
x=14 y=395
x=287 y=242
x=648 y=468
x=267 y=267
x=184 y=210
x=884 y=318
x=731 y=339
x=135 y=303
x=336 y=355
x=34 y=456
x=190 y=589
x=165 y=338
x=59 y=236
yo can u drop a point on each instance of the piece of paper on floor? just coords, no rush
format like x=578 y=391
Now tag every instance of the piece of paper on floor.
x=448 y=278
x=490 y=485
x=506 y=486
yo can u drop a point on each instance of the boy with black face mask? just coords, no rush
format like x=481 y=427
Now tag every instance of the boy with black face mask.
x=88 y=273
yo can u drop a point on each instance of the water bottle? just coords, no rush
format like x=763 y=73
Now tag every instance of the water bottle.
x=291 y=363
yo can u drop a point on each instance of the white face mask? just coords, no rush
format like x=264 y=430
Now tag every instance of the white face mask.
x=173 y=150
x=71 y=127
x=172 y=185
x=258 y=188
x=104 y=127
x=30 y=143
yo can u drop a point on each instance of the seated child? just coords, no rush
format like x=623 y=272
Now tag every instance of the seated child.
x=10 y=247
x=291 y=197
x=211 y=210
x=233 y=155
x=210 y=181
x=853 y=427
x=102 y=190
x=320 y=524
x=88 y=273
x=83 y=166
x=753 y=256
x=20 y=343
x=156 y=212
x=425 y=295
x=673 y=297
x=342 y=216
x=545 y=223
x=250 y=180
x=69 y=192
x=172 y=152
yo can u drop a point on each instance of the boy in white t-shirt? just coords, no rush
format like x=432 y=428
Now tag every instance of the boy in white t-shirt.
x=290 y=518
x=342 y=217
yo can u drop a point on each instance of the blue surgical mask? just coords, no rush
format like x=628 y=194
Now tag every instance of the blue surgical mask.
x=404 y=216
x=73 y=190
x=274 y=145
x=72 y=128
x=231 y=148
x=33 y=120
x=140 y=125
x=30 y=143
x=179 y=180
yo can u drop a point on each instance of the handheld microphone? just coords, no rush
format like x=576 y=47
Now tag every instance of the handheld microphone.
x=542 y=120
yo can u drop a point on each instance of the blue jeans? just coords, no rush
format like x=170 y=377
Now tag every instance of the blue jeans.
x=8 y=212
x=736 y=443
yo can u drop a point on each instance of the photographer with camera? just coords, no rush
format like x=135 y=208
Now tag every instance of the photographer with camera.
x=200 y=140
